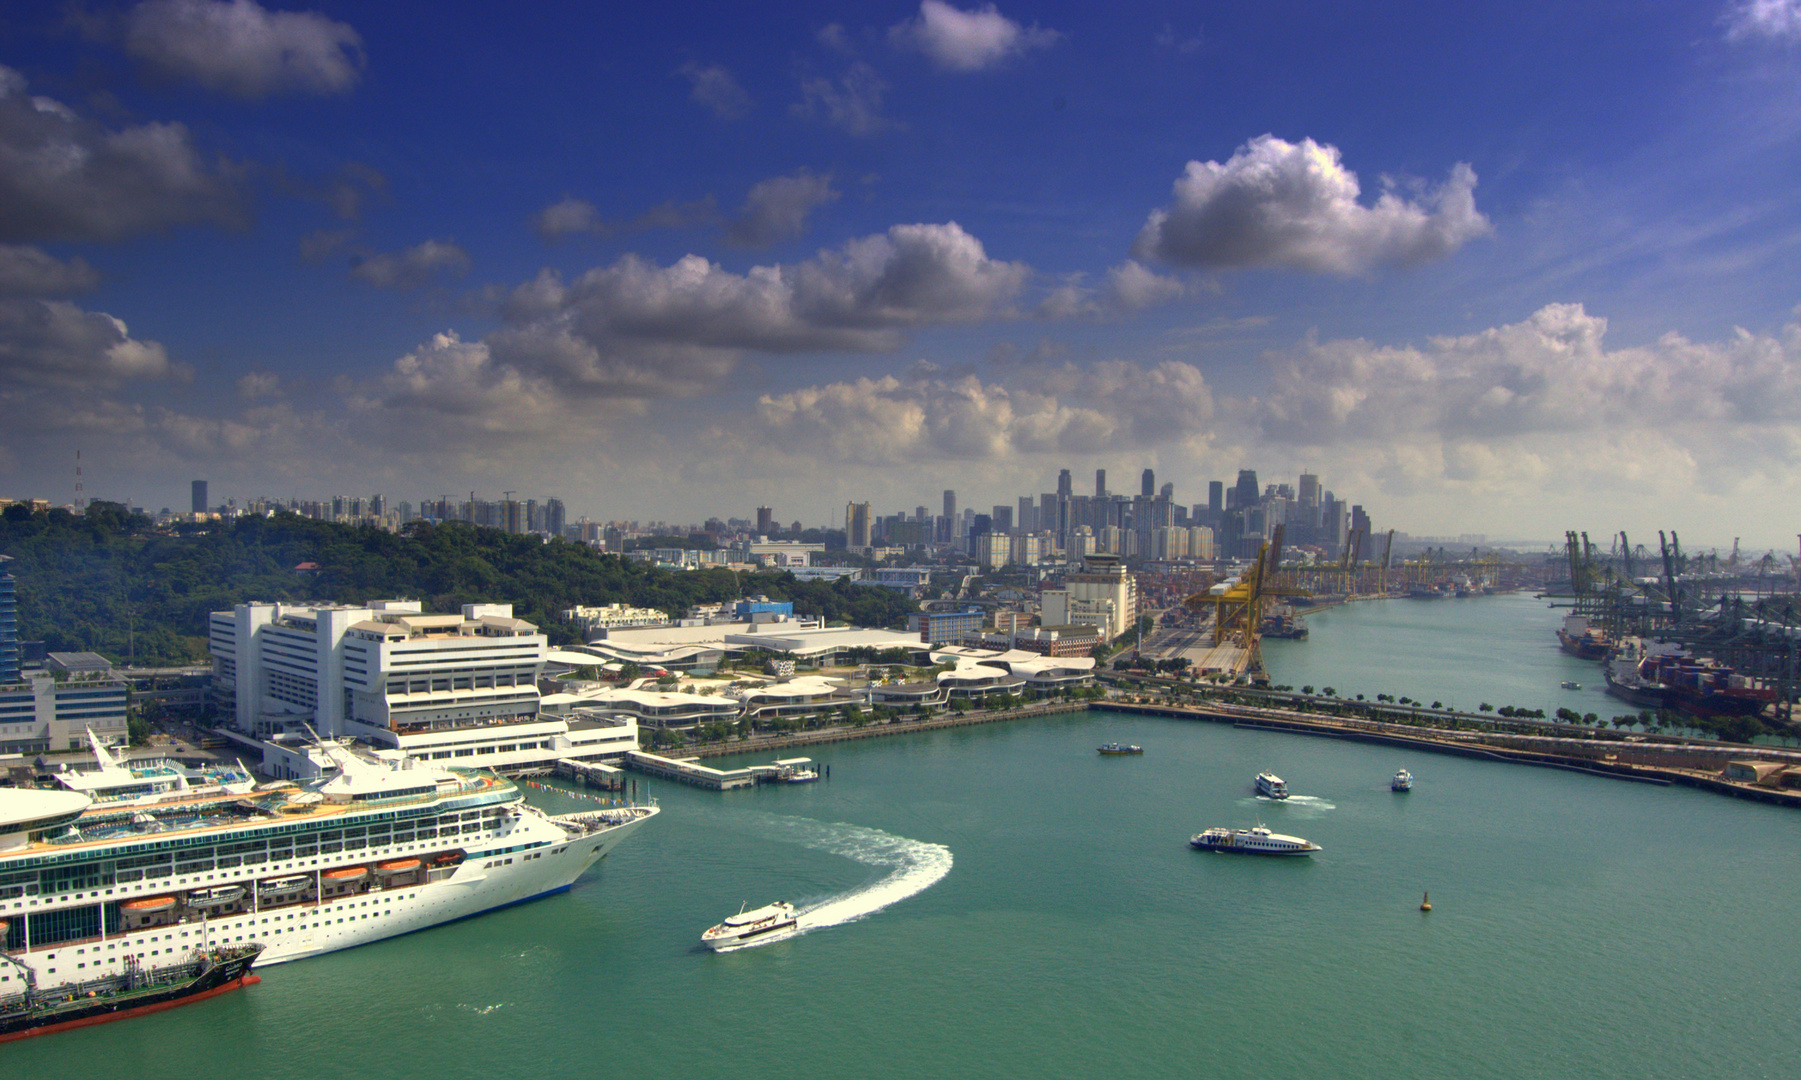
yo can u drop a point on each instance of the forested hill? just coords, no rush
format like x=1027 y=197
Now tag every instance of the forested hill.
x=107 y=581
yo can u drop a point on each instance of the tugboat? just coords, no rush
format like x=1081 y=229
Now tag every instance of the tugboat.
x=1271 y=786
x=1254 y=841
x=771 y=922
x=130 y=993
x=1114 y=749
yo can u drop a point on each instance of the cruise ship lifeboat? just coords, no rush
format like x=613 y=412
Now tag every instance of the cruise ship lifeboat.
x=345 y=880
x=216 y=897
x=399 y=871
x=283 y=888
x=150 y=911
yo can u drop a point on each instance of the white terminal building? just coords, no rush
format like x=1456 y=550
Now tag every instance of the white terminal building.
x=1103 y=595
x=460 y=689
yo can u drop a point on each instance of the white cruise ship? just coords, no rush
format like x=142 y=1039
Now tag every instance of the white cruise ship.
x=376 y=850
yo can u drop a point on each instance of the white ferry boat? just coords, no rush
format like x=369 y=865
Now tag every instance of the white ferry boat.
x=1271 y=785
x=1254 y=841
x=1403 y=781
x=91 y=890
x=770 y=922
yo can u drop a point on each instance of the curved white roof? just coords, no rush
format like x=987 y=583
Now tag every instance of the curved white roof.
x=19 y=805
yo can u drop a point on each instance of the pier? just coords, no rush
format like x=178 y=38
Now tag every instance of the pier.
x=591 y=774
x=691 y=772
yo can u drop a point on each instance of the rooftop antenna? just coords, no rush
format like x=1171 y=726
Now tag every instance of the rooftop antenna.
x=80 y=492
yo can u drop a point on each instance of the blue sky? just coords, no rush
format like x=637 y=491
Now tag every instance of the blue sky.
x=1500 y=268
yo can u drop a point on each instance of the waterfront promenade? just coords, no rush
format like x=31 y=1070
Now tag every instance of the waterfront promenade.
x=1691 y=762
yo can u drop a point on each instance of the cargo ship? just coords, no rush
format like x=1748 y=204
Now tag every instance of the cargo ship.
x=132 y=992
x=1581 y=640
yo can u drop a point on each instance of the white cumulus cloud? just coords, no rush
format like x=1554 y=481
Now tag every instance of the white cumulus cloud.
x=53 y=343
x=66 y=178
x=1295 y=205
x=1778 y=19
x=241 y=48
x=412 y=268
x=777 y=208
x=29 y=271
x=972 y=40
x=716 y=88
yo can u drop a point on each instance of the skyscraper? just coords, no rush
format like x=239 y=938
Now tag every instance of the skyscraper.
x=1216 y=497
x=1245 y=493
x=1149 y=489
x=1309 y=489
x=9 y=626
x=200 y=496
x=765 y=521
x=856 y=525
x=1064 y=491
x=1100 y=483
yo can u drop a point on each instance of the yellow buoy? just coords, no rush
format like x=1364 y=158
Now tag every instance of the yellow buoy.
x=1426 y=902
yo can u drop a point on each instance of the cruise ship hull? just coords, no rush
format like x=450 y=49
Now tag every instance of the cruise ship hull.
x=487 y=851
x=474 y=889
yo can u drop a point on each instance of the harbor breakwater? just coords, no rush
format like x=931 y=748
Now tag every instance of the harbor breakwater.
x=1692 y=763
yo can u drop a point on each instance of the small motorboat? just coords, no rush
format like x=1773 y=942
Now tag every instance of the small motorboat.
x=1570 y=685
x=1115 y=749
x=771 y=922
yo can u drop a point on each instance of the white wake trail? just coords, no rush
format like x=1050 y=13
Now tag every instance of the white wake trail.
x=914 y=866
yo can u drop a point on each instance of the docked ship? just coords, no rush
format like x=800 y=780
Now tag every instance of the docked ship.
x=1659 y=675
x=1271 y=786
x=133 y=992
x=1581 y=640
x=771 y=922
x=91 y=891
x=1254 y=841
x=1282 y=623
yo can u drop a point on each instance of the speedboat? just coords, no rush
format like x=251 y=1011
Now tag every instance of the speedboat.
x=1254 y=841
x=1271 y=786
x=1114 y=749
x=771 y=922
x=1403 y=781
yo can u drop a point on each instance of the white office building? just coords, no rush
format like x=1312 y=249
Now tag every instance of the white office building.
x=461 y=689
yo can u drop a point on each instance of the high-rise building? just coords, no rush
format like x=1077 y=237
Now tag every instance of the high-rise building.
x=199 y=496
x=1100 y=483
x=1309 y=489
x=1216 y=497
x=1167 y=492
x=765 y=521
x=9 y=626
x=1064 y=491
x=1245 y=493
x=1028 y=515
x=555 y=517
x=1003 y=519
x=856 y=525
x=1149 y=482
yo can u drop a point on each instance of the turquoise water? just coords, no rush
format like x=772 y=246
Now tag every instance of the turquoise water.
x=1582 y=927
x=1496 y=649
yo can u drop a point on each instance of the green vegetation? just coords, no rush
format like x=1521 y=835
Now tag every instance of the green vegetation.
x=110 y=582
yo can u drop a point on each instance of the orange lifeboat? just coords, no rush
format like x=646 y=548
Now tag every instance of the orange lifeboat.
x=149 y=905
x=397 y=866
x=346 y=875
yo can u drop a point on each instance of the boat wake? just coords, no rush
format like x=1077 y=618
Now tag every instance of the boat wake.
x=913 y=867
x=1304 y=802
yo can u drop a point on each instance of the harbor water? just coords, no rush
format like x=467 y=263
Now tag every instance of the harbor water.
x=1462 y=651
x=1001 y=901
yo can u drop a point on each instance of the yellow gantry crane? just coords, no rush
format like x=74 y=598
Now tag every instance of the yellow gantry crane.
x=1238 y=610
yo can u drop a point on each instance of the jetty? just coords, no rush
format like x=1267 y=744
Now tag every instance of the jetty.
x=691 y=772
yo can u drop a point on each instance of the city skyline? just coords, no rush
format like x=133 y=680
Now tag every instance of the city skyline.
x=1504 y=269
